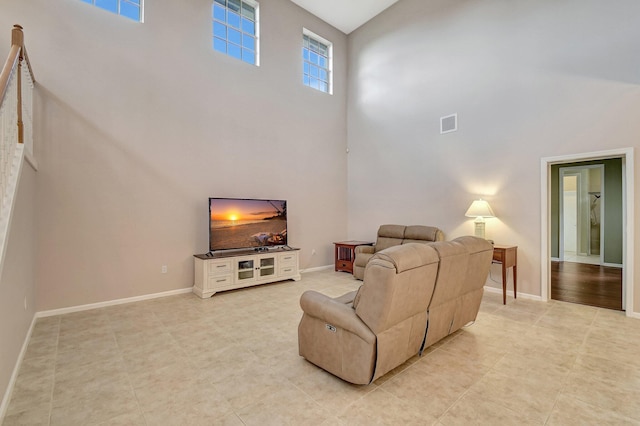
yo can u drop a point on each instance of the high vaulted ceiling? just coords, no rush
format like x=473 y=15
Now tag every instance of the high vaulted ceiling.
x=345 y=15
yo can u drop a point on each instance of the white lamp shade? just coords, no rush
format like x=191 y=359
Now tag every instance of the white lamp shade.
x=479 y=208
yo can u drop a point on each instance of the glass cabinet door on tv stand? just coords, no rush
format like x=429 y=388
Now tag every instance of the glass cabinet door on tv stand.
x=267 y=266
x=252 y=269
x=245 y=270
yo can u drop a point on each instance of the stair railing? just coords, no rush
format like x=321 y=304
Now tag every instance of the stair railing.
x=16 y=109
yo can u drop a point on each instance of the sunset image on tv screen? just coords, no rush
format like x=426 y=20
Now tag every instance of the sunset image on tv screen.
x=238 y=223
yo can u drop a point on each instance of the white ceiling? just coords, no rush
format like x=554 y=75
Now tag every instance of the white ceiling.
x=345 y=15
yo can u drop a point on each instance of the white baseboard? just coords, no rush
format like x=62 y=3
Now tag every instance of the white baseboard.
x=79 y=308
x=14 y=375
x=635 y=315
x=53 y=312
x=316 y=269
x=520 y=295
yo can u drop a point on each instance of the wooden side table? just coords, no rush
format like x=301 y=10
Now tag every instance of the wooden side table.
x=508 y=257
x=345 y=254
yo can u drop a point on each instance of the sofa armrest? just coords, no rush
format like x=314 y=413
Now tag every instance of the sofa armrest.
x=335 y=313
x=365 y=249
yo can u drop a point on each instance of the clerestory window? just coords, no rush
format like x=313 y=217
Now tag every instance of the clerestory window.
x=317 y=62
x=131 y=9
x=235 y=29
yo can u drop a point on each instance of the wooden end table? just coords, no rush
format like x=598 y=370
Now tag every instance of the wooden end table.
x=508 y=257
x=345 y=254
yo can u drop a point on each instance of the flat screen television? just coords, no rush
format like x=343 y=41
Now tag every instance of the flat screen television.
x=236 y=223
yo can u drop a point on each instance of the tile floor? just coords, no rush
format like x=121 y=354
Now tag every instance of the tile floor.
x=233 y=359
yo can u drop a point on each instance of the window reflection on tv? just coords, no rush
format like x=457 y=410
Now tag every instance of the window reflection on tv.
x=246 y=223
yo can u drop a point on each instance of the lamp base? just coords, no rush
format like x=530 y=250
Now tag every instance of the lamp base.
x=479 y=228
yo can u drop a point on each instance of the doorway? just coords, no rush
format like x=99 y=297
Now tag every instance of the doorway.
x=581 y=210
x=549 y=228
x=580 y=276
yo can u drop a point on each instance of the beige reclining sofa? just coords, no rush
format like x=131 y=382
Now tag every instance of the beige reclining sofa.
x=393 y=235
x=412 y=296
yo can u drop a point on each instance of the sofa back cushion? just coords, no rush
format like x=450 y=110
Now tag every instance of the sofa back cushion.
x=396 y=291
x=389 y=236
x=422 y=234
x=398 y=283
x=480 y=256
x=452 y=273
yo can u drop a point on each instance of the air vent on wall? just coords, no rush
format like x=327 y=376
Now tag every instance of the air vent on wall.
x=449 y=123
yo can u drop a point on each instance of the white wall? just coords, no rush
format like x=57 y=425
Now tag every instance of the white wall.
x=141 y=123
x=528 y=79
x=18 y=279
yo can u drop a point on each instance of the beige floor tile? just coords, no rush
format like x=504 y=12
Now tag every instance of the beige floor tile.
x=93 y=402
x=433 y=393
x=290 y=365
x=185 y=403
x=606 y=394
x=286 y=406
x=550 y=364
x=382 y=408
x=329 y=391
x=43 y=346
x=491 y=302
x=475 y=409
x=233 y=359
x=35 y=415
x=134 y=418
x=625 y=375
x=573 y=412
x=615 y=320
x=528 y=393
x=180 y=373
x=482 y=350
x=146 y=341
x=87 y=363
x=28 y=404
x=99 y=340
x=91 y=389
x=399 y=369
x=135 y=324
x=254 y=383
x=225 y=362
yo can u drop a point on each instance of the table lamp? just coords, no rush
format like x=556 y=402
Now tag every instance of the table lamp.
x=479 y=209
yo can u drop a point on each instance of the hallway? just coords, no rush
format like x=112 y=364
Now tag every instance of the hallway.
x=585 y=284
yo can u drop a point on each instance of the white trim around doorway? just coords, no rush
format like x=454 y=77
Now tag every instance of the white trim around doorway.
x=627 y=221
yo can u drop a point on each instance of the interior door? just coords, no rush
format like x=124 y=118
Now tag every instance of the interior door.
x=570 y=216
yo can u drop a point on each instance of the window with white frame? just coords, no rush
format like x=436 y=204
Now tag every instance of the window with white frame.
x=317 y=62
x=235 y=29
x=131 y=9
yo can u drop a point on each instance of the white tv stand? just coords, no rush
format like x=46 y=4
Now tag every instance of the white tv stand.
x=220 y=271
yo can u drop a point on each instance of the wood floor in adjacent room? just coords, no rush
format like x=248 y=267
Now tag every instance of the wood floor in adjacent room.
x=592 y=285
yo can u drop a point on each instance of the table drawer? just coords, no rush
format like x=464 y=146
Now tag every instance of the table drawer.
x=216 y=282
x=287 y=259
x=220 y=268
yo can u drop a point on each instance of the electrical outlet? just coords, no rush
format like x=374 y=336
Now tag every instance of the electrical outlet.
x=164 y=269
x=313 y=251
x=25 y=303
